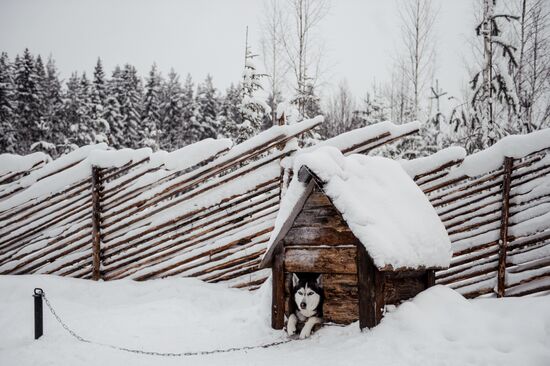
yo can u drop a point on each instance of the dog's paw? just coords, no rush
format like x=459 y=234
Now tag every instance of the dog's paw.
x=291 y=329
x=305 y=333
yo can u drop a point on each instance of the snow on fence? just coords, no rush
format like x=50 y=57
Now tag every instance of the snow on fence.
x=205 y=210
x=495 y=205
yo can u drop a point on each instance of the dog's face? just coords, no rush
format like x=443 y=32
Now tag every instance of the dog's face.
x=307 y=294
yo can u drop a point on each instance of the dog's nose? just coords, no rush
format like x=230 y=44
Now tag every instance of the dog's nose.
x=303 y=305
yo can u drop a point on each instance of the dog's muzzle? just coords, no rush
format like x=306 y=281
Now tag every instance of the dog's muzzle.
x=302 y=305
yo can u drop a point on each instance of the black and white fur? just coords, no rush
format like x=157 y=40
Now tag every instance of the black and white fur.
x=308 y=297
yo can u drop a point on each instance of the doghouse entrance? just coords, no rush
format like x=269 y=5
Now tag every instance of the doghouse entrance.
x=341 y=302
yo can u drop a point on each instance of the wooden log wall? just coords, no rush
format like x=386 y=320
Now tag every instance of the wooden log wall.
x=498 y=223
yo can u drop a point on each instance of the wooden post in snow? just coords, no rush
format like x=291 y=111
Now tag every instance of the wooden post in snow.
x=278 y=291
x=281 y=121
x=503 y=241
x=96 y=224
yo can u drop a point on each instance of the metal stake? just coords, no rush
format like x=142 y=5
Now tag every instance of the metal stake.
x=38 y=317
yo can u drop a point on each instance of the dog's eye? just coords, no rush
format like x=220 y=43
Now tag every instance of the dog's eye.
x=300 y=293
x=309 y=293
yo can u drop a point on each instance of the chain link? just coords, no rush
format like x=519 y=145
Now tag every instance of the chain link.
x=154 y=353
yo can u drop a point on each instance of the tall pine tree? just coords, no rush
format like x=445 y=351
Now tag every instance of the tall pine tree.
x=29 y=101
x=205 y=121
x=99 y=123
x=151 y=109
x=8 y=141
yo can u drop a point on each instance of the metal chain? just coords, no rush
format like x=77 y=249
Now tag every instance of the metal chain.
x=154 y=353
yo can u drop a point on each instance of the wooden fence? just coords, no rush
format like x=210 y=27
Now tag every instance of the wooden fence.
x=496 y=210
x=207 y=210
x=204 y=211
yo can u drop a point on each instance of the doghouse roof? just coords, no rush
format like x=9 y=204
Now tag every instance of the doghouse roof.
x=381 y=204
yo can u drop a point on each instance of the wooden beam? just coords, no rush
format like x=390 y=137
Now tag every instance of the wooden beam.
x=365 y=288
x=379 y=295
x=278 y=290
x=503 y=242
x=430 y=278
x=96 y=226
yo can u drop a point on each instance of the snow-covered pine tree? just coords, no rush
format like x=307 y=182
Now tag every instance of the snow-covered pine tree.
x=151 y=109
x=206 y=113
x=113 y=109
x=230 y=116
x=375 y=108
x=44 y=128
x=8 y=141
x=79 y=107
x=493 y=88
x=71 y=107
x=309 y=106
x=171 y=113
x=29 y=101
x=53 y=111
x=185 y=136
x=131 y=107
x=98 y=97
x=253 y=109
x=272 y=100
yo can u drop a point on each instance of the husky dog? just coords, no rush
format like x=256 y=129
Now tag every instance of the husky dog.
x=308 y=304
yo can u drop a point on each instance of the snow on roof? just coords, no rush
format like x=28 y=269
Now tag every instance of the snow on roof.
x=381 y=204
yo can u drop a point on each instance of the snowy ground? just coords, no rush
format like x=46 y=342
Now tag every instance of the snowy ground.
x=438 y=327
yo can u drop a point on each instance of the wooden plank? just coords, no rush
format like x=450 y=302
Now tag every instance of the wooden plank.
x=317 y=199
x=397 y=290
x=278 y=291
x=319 y=236
x=365 y=287
x=379 y=295
x=341 y=310
x=430 y=278
x=321 y=260
x=96 y=229
x=326 y=216
x=340 y=285
x=503 y=242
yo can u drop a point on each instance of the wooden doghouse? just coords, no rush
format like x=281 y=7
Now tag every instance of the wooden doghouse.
x=333 y=221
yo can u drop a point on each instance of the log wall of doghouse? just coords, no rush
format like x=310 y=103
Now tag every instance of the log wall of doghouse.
x=320 y=241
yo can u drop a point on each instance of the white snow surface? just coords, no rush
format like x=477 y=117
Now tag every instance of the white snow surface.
x=12 y=163
x=349 y=139
x=191 y=155
x=514 y=146
x=382 y=205
x=437 y=327
x=425 y=164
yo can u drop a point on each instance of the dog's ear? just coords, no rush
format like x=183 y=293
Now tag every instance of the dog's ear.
x=295 y=280
x=319 y=280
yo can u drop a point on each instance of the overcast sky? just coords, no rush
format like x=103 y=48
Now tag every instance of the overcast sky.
x=207 y=36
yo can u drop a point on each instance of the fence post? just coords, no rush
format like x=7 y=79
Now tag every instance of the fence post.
x=38 y=315
x=503 y=241
x=281 y=121
x=96 y=223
